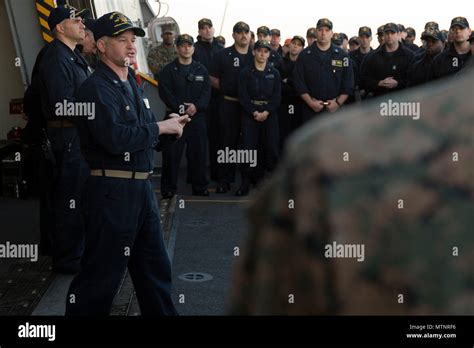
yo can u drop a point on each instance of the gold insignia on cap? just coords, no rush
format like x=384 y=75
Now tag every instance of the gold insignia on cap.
x=119 y=19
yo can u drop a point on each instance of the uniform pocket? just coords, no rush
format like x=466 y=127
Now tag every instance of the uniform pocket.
x=130 y=117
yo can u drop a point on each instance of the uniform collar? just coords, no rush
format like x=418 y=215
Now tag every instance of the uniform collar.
x=399 y=49
x=237 y=52
x=453 y=53
x=176 y=63
x=115 y=80
x=266 y=70
x=73 y=56
x=111 y=75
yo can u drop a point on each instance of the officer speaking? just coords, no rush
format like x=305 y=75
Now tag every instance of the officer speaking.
x=122 y=220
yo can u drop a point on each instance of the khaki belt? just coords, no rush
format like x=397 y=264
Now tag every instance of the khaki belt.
x=259 y=102
x=122 y=174
x=60 y=124
x=226 y=97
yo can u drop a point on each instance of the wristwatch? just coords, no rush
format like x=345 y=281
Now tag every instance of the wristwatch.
x=337 y=102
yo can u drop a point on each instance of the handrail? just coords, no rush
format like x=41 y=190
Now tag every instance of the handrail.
x=147 y=78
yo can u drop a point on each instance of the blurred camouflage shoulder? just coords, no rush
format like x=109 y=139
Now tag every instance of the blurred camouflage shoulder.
x=399 y=188
x=159 y=56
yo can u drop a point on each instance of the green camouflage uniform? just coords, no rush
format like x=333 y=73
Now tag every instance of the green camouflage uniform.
x=408 y=251
x=159 y=56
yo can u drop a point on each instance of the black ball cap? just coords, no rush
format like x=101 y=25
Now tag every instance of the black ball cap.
x=337 y=39
x=311 y=32
x=203 y=22
x=184 y=38
x=365 y=31
x=240 y=27
x=63 y=12
x=411 y=32
x=460 y=22
x=275 y=32
x=391 y=27
x=433 y=33
x=432 y=25
x=299 y=38
x=324 y=22
x=113 y=24
x=90 y=23
x=263 y=30
x=354 y=40
x=262 y=44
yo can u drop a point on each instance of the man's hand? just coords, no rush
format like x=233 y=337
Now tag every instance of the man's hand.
x=316 y=105
x=332 y=107
x=260 y=116
x=388 y=83
x=174 y=125
x=391 y=83
x=191 y=109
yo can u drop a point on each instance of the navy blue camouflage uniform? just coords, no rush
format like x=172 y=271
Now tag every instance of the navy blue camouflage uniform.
x=447 y=63
x=419 y=71
x=381 y=64
x=324 y=75
x=181 y=84
x=358 y=59
x=275 y=58
x=61 y=73
x=226 y=66
x=260 y=91
x=204 y=52
x=122 y=215
x=289 y=113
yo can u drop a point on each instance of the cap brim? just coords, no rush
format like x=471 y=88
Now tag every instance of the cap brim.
x=424 y=37
x=464 y=26
x=84 y=13
x=185 y=41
